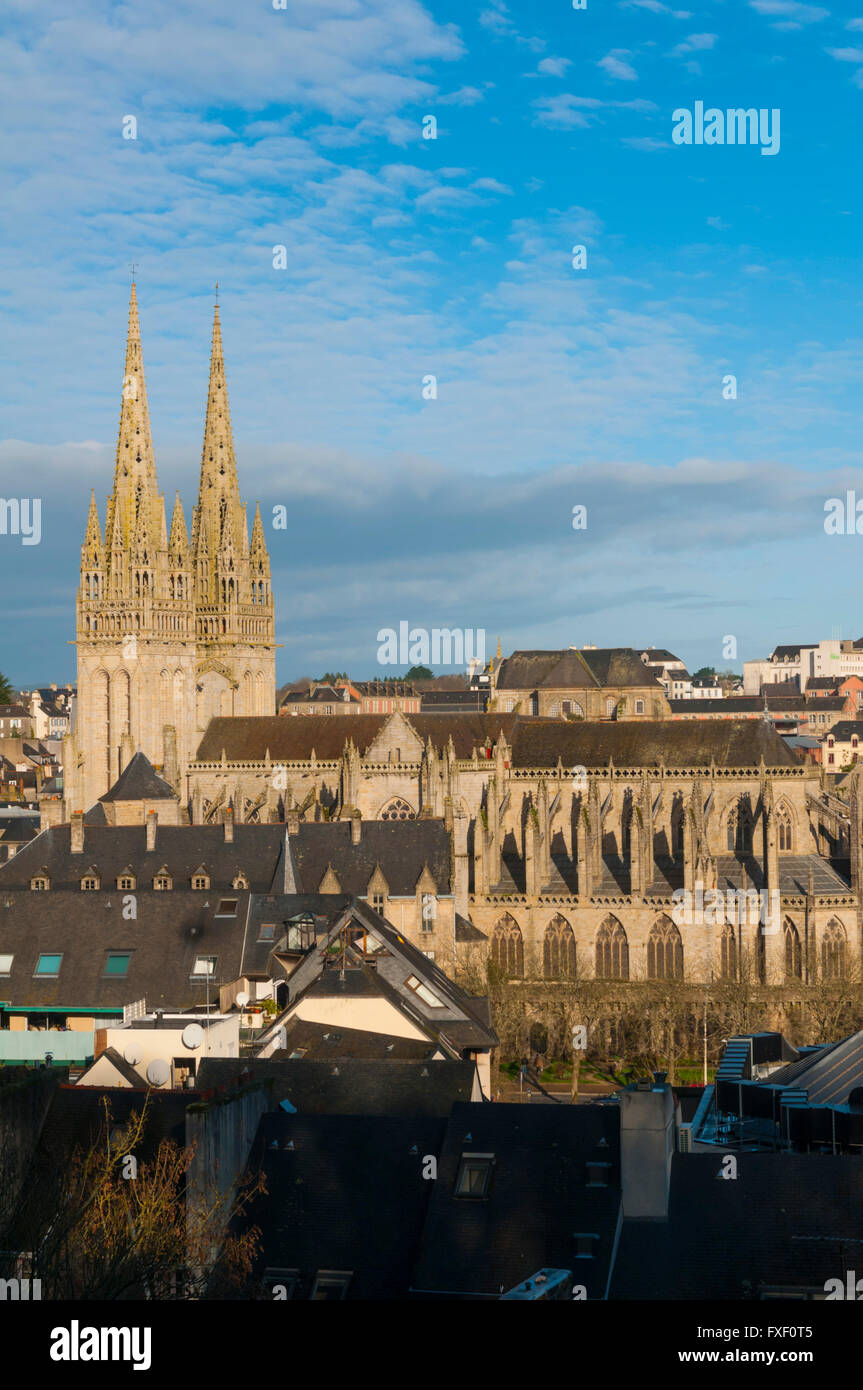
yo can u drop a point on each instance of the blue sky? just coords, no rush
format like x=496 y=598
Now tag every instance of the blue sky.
x=302 y=127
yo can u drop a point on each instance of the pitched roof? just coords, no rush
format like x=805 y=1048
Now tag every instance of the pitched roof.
x=535 y=742
x=139 y=782
x=630 y=743
x=249 y=738
x=386 y=1085
x=725 y=1240
x=572 y=669
x=402 y=848
x=169 y=932
x=538 y=1199
x=343 y=1192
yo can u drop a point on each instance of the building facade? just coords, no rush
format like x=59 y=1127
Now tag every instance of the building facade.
x=169 y=631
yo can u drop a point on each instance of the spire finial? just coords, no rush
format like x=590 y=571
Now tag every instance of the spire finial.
x=133 y=267
x=217 y=294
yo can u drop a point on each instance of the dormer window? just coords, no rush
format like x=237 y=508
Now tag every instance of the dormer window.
x=126 y=882
x=40 y=884
x=240 y=882
x=89 y=883
x=201 y=879
x=162 y=882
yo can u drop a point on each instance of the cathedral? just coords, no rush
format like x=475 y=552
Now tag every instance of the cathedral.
x=170 y=631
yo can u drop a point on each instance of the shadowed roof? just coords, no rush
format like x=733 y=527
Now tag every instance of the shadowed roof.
x=139 y=782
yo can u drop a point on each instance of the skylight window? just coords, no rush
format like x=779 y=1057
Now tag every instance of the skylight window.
x=48 y=965
x=474 y=1175
x=423 y=992
x=227 y=907
x=117 y=962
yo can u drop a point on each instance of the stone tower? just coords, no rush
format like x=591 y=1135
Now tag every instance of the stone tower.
x=168 y=634
x=234 y=624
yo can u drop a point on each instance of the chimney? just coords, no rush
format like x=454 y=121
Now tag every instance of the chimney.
x=229 y=826
x=646 y=1149
x=152 y=822
x=293 y=822
x=77 y=839
x=356 y=828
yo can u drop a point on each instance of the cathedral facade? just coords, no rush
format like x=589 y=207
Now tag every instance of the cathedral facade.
x=171 y=630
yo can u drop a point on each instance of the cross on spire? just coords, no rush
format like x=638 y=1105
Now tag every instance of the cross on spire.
x=133 y=267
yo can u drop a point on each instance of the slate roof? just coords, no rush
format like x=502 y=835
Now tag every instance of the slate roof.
x=538 y=1199
x=630 y=743
x=725 y=1239
x=247 y=739
x=139 y=782
x=754 y=704
x=824 y=682
x=574 y=669
x=402 y=848
x=791 y=652
x=170 y=931
x=357 y=1086
x=659 y=655
x=349 y=1195
x=844 y=730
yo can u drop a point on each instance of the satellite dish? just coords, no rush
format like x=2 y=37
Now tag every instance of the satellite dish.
x=242 y=998
x=193 y=1035
x=158 y=1072
x=133 y=1054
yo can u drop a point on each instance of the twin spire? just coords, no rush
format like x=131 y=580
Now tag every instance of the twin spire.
x=138 y=551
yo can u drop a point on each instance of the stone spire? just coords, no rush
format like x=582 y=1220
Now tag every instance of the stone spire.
x=178 y=545
x=92 y=555
x=218 y=492
x=135 y=501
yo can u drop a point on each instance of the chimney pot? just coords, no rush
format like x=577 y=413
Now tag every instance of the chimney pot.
x=77 y=834
x=229 y=826
x=152 y=822
x=356 y=828
x=293 y=822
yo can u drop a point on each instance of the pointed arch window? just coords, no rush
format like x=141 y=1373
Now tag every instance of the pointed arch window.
x=739 y=829
x=793 y=954
x=833 y=950
x=728 y=953
x=558 y=950
x=783 y=821
x=507 y=947
x=664 y=951
x=612 y=951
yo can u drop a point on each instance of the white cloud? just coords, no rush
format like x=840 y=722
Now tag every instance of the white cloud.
x=789 y=14
x=553 y=67
x=694 y=43
x=846 y=55
x=614 y=65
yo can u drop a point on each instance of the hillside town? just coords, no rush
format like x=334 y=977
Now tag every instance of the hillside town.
x=454 y=987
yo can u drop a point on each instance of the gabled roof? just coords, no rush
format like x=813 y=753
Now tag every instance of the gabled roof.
x=456 y=1021
x=120 y=1065
x=139 y=782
